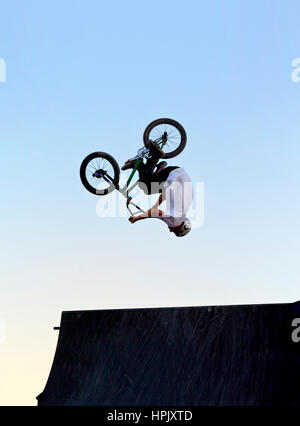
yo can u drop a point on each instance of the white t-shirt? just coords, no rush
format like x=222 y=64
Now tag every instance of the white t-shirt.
x=179 y=196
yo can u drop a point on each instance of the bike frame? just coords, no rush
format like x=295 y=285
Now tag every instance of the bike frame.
x=126 y=189
x=142 y=153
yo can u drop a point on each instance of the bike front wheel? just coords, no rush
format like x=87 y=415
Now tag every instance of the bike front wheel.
x=168 y=133
x=99 y=173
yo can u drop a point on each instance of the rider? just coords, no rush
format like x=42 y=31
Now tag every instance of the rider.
x=174 y=186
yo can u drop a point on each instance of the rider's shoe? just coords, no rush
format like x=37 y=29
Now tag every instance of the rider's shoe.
x=130 y=164
x=160 y=166
x=156 y=149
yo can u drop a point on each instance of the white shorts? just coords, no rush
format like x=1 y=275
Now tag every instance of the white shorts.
x=179 y=196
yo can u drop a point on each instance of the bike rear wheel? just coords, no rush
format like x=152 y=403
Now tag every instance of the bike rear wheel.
x=168 y=133
x=99 y=173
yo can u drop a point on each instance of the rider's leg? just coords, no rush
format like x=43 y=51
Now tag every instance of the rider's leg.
x=147 y=174
x=146 y=171
x=155 y=154
x=160 y=166
x=155 y=149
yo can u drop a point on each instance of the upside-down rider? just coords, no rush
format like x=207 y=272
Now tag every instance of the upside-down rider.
x=174 y=186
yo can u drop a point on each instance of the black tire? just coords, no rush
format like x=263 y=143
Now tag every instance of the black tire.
x=91 y=183
x=161 y=125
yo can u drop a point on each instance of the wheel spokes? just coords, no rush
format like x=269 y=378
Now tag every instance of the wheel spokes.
x=98 y=182
x=173 y=137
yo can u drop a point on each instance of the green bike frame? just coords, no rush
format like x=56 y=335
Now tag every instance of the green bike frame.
x=131 y=176
x=133 y=173
x=125 y=191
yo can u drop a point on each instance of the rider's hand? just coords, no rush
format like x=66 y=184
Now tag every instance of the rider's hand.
x=134 y=219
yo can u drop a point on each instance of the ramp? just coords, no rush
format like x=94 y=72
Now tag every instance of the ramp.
x=207 y=356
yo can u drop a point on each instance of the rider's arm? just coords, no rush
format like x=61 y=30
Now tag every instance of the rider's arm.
x=154 y=212
x=161 y=199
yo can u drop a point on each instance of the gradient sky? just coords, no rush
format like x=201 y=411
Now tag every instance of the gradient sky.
x=88 y=76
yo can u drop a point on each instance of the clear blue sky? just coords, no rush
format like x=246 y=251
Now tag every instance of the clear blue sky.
x=88 y=76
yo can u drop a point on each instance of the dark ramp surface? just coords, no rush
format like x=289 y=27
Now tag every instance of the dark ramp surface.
x=217 y=355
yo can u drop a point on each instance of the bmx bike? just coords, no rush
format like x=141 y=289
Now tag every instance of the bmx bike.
x=100 y=172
